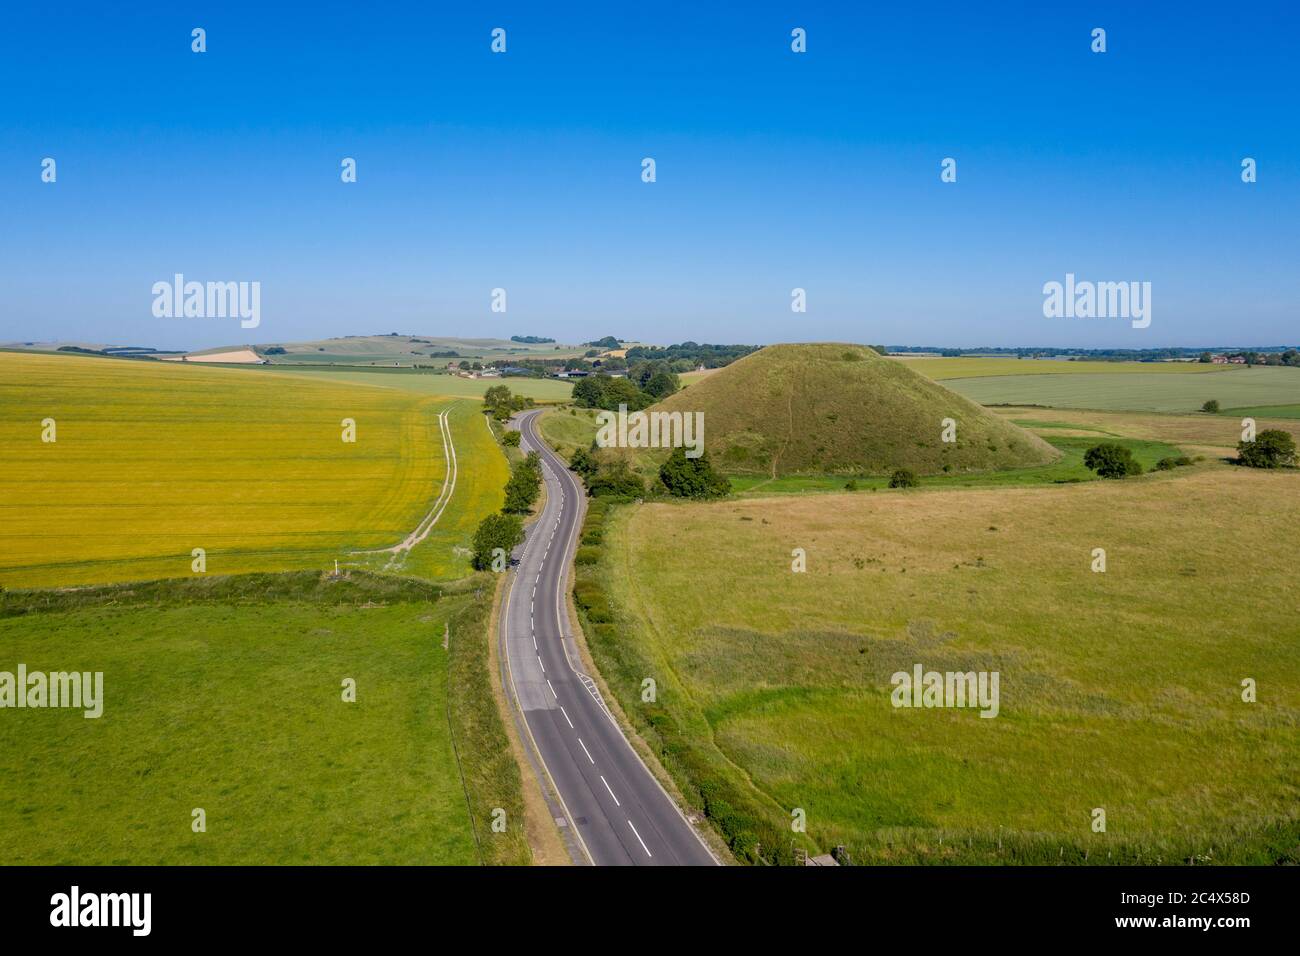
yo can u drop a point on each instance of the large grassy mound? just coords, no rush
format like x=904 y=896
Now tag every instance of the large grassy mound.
x=844 y=409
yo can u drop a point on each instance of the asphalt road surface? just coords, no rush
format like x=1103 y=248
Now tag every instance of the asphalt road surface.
x=617 y=810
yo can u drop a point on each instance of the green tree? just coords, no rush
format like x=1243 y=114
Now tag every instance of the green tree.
x=511 y=439
x=615 y=477
x=904 y=478
x=589 y=392
x=1206 y=358
x=692 y=477
x=524 y=486
x=1110 y=460
x=662 y=384
x=584 y=463
x=619 y=391
x=496 y=531
x=496 y=395
x=1212 y=406
x=1272 y=448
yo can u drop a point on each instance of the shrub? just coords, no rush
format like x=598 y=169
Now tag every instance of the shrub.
x=511 y=439
x=586 y=555
x=1272 y=448
x=1110 y=460
x=584 y=463
x=599 y=613
x=585 y=593
x=496 y=531
x=615 y=479
x=692 y=477
x=524 y=486
x=604 y=391
x=500 y=403
x=904 y=478
x=1212 y=406
x=850 y=485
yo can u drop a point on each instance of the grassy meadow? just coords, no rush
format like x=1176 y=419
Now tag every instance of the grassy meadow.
x=432 y=383
x=408 y=349
x=225 y=694
x=153 y=460
x=942 y=369
x=568 y=429
x=1134 y=391
x=1119 y=690
x=1069 y=467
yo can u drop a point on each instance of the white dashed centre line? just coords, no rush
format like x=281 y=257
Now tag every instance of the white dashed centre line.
x=566 y=716
x=586 y=751
x=611 y=793
x=639 y=840
x=553 y=693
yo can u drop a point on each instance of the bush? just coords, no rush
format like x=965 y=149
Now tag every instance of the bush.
x=524 y=486
x=586 y=555
x=584 y=463
x=1212 y=406
x=496 y=531
x=1110 y=460
x=501 y=403
x=607 y=392
x=615 y=478
x=1272 y=448
x=850 y=485
x=511 y=439
x=904 y=478
x=692 y=477
x=1168 y=464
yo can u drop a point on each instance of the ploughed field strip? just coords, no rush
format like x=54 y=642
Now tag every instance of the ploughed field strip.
x=153 y=460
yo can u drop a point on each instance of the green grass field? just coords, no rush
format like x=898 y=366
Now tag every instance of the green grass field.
x=1264 y=411
x=941 y=369
x=566 y=430
x=225 y=694
x=406 y=350
x=1118 y=690
x=1068 y=468
x=429 y=383
x=153 y=460
x=1134 y=391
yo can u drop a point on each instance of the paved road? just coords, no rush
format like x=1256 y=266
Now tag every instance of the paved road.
x=614 y=806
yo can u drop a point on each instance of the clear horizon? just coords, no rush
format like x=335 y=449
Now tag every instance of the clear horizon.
x=775 y=171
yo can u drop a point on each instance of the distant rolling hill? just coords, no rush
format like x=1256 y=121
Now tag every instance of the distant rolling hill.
x=401 y=350
x=843 y=409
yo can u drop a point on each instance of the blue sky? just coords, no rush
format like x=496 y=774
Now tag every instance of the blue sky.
x=775 y=170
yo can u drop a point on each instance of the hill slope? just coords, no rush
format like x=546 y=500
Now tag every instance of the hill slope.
x=843 y=409
x=395 y=349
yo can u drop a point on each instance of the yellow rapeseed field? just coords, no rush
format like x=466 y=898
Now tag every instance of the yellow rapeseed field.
x=150 y=461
